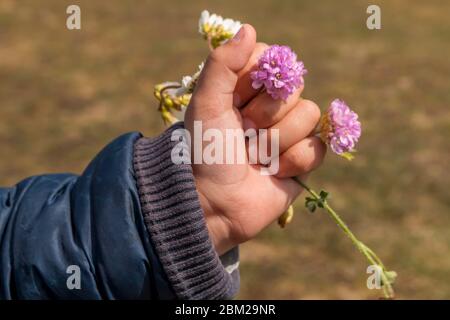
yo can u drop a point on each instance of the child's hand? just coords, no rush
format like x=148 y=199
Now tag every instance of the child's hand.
x=237 y=200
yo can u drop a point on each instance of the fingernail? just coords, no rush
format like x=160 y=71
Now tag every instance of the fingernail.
x=239 y=35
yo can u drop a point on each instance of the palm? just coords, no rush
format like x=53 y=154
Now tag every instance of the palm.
x=239 y=194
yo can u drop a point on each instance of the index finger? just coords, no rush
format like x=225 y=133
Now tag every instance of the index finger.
x=244 y=92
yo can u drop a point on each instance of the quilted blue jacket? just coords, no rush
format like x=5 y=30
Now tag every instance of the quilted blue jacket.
x=129 y=227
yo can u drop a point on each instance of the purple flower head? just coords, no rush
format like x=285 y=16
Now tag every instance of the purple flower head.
x=279 y=72
x=340 y=128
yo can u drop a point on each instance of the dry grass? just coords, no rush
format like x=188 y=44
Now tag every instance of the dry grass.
x=65 y=94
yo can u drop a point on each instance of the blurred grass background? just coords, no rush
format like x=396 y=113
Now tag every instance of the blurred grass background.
x=65 y=94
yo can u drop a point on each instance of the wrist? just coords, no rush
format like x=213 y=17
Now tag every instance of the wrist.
x=219 y=227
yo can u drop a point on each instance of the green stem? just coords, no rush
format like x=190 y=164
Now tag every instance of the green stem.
x=365 y=250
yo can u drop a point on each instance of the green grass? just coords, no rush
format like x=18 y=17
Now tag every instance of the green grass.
x=65 y=94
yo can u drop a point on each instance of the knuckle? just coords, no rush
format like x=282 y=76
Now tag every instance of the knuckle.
x=317 y=161
x=298 y=158
x=291 y=101
x=318 y=151
x=257 y=52
x=214 y=57
x=308 y=155
x=322 y=149
x=261 y=46
x=312 y=109
x=262 y=114
x=266 y=114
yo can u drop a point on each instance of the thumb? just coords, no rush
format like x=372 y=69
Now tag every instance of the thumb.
x=214 y=91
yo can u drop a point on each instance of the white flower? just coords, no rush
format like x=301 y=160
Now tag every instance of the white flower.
x=231 y=25
x=216 y=28
x=207 y=21
x=188 y=82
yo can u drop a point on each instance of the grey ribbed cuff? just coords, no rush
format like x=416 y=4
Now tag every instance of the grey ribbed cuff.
x=176 y=223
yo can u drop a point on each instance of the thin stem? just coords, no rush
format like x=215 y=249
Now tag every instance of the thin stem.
x=378 y=260
x=365 y=250
x=209 y=40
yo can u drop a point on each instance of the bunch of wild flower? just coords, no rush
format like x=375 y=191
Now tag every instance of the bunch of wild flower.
x=174 y=97
x=280 y=73
x=216 y=29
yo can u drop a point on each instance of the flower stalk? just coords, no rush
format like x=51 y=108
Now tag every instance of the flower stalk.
x=387 y=277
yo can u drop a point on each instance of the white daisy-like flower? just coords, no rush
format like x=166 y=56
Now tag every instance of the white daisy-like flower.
x=206 y=22
x=217 y=29
x=231 y=25
x=188 y=82
x=174 y=97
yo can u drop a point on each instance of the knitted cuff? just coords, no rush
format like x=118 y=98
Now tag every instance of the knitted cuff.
x=176 y=223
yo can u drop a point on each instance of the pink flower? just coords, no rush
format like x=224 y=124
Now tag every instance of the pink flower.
x=340 y=127
x=279 y=72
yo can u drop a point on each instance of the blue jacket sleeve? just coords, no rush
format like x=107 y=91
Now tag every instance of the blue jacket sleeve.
x=107 y=234
x=54 y=228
